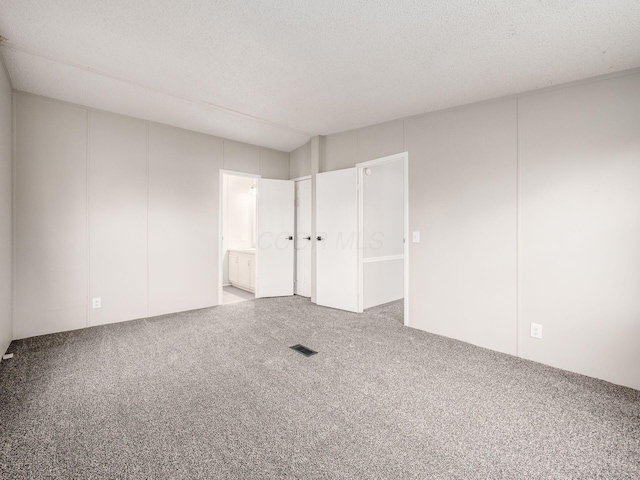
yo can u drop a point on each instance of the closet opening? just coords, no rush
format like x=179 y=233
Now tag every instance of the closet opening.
x=383 y=211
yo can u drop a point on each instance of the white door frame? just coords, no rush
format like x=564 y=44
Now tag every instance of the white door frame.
x=220 y=212
x=404 y=156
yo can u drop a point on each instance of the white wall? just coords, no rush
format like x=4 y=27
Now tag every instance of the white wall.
x=118 y=205
x=183 y=219
x=579 y=238
x=462 y=198
x=529 y=209
x=6 y=223
x=300 y=161
x=51 y=241
x=274 y=164
x=119 y=208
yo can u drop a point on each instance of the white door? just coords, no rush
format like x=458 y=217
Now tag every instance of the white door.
x=274 y=240
x=303 y=238
x=337 y=239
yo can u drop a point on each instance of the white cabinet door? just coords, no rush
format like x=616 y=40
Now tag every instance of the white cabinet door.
x=274 y=242
x=252 y=272
x=303 y=238
x=244 y=270
x=233 y=267
x=337 y=239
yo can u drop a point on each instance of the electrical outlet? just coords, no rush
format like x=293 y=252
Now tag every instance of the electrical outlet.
x=97 y=302
x=536 y=330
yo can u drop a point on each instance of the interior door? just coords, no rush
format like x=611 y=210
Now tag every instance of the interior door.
x=274 y=240
x=303 y=238
x=337 y=239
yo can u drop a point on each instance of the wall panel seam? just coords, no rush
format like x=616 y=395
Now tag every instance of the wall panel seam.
x=88 y=213
x=14 y=172
x=517 y=228
x=148 y=196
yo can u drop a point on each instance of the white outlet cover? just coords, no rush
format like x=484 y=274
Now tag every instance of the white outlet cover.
x=415 y=237
x=536 y=330
x=96 y=302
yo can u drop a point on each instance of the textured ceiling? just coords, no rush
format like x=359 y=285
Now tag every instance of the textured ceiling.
x=276 y=72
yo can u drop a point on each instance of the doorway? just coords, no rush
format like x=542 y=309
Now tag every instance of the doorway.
x=256 y=248
x=239 y=193
x=383 y=232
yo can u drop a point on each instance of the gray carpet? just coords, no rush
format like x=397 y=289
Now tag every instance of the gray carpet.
x=217 y=393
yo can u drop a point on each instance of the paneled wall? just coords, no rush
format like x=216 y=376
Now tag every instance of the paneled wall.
x=117 y=208
x=462 y=198
x=529 y=210
x=579 y=228
x=300 y=161
x=274 y=164
x=183 y=214
x=51 y=221
x=6 y=223
x=118 y=169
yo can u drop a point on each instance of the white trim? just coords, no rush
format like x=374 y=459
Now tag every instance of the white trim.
x=388 y=158
x=382 y=259
x=221 y=175
x=300 y=179
x=404 y=156
x=406 y=238
x=360 y=177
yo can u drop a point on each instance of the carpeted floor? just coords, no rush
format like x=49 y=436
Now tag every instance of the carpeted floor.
x=217 y=393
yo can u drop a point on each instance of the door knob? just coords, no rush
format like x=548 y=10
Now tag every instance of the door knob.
x=319 y=238
x=289 y=238
x=307 y=238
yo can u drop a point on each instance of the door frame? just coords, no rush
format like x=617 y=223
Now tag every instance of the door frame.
x=295 y=226
x=404 y=156
x=221 y=205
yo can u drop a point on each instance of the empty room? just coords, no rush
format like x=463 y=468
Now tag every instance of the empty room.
x=332 y=240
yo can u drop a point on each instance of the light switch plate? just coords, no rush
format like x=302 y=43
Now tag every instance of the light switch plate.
x=415 y=237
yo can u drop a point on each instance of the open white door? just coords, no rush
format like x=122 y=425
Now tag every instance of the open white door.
x=337 y=239
x=274 y=240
